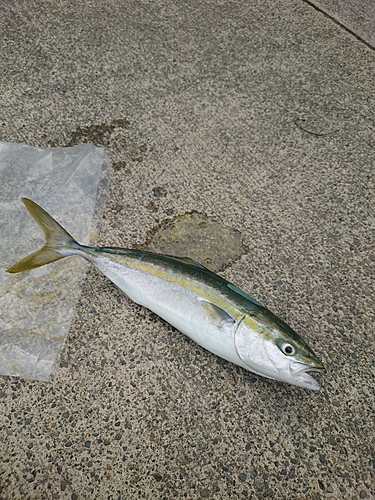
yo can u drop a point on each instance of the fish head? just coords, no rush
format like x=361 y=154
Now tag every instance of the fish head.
x=271 y=348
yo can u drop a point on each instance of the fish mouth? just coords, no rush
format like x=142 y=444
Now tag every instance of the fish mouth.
x=301 y=374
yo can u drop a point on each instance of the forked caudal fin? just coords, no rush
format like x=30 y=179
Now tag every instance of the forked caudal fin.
x=56 y=239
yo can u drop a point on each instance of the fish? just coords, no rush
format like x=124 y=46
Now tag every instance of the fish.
x=210 y=310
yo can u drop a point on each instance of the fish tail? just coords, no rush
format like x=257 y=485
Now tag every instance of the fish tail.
x=57 y=239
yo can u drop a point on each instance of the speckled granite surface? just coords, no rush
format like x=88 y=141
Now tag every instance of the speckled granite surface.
x=259 y=115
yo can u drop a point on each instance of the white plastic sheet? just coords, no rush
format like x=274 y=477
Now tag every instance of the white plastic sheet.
x=36 y=307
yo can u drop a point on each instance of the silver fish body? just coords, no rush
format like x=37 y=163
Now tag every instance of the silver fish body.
x=211 y=311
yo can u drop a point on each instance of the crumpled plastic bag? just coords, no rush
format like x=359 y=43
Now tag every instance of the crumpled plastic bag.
x=36 y=307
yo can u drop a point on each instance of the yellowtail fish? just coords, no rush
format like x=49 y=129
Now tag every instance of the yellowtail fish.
x=211 y=311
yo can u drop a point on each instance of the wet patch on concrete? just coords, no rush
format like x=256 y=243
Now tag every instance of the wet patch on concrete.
x=97 y=134
x=122 y=166
x=159 y=191
x=117 y=136
x=199 y=237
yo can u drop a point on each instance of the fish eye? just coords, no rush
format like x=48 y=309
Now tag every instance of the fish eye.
x=288 y=349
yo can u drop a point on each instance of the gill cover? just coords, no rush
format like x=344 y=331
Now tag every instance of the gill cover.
x=253 y=348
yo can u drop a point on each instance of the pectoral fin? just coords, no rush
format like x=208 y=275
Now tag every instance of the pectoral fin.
x=217 y=315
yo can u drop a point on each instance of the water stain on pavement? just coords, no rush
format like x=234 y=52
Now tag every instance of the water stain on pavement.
x=199 y=237
x=97 y=134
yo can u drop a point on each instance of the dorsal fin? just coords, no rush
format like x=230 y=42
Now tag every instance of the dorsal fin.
x=244 y=294
x=188 y=260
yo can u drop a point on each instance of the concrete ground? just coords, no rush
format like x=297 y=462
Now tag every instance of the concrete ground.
x=258 y=115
